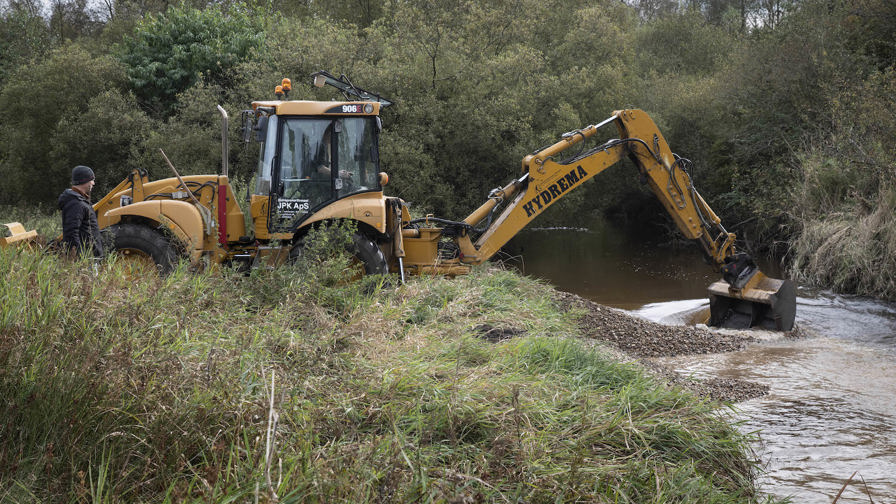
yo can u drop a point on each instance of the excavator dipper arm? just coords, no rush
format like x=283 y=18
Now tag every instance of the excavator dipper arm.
x=744 y=298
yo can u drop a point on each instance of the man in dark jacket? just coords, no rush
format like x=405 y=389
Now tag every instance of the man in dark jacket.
x=80 y=231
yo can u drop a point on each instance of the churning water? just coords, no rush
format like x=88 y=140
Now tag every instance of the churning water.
x=831 y=410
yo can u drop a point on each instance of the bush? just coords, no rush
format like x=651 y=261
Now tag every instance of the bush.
x=46 y=101
x=845 y=202
x=109 y=136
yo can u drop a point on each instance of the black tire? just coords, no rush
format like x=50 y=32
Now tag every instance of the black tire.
x=369 y=253
x=140 y=241
x=362 y=248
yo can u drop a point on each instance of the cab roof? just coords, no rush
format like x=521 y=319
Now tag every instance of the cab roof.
x=307 y=107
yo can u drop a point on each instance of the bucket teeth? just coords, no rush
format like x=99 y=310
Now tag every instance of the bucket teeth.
x=764 y=302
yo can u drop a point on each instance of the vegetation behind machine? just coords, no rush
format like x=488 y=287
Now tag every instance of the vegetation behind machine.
x=768 y=100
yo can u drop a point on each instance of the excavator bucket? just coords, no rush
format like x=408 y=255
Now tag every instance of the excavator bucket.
x=18 y=235
x=764 y=302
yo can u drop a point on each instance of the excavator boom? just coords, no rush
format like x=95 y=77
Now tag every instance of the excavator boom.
x=745 y=297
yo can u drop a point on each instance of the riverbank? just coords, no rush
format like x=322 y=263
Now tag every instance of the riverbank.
x=644 y=341
x=293 y=386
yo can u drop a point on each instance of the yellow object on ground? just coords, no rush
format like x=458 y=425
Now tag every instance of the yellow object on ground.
x=18 y=235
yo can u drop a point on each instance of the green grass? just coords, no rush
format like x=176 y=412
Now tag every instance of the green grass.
x=290 y=385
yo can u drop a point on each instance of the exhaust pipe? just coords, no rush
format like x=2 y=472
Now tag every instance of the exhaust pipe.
x=225 y=149
x=222 y=189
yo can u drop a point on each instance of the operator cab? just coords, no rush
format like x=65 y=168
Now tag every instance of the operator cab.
x=313 y=153
x=307 y=162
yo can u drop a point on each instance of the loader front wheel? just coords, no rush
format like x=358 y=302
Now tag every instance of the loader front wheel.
x=143 y=248
x=369 y=254
x=365 y=252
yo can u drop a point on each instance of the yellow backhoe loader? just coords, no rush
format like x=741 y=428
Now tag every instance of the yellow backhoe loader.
x=319 y=163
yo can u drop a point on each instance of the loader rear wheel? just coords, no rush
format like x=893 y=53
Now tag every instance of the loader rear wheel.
x=144 y=248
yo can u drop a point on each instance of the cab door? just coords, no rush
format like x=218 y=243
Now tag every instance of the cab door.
x=302 y=170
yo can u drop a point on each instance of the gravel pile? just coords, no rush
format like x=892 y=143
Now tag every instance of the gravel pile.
x=645 y=340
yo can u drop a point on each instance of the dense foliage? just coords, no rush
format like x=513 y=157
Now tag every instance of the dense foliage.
x=170 y=52
x=785 y=107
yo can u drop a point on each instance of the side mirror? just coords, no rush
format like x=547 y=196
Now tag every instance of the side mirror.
x=246 y=125
x=261 y=129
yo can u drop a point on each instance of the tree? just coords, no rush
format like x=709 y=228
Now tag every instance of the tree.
x=652 y=9
x=70 y=19
x=24 y=35
x=109 y=136
x=172 y=51
x=40 y=99
x=871 y=26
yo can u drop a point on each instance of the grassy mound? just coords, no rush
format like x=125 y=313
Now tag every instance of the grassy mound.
x=293 y=386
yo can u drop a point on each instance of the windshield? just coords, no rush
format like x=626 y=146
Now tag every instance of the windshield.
x=357 y=155
x=319 y=160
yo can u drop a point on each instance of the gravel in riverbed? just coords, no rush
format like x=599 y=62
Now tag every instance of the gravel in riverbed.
x=644 y=341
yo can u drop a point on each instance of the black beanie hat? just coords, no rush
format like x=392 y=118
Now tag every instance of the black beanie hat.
x=82 y=174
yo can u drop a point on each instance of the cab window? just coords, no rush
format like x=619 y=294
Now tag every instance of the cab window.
x=358 y=156
x=320 y=160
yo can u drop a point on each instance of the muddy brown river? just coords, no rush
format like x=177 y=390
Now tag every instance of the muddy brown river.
x=831 y=410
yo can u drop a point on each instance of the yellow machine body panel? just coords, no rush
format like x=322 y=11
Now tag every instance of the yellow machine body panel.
x=201 y=218
x=259 y=209
x=369 y=208
x=181 y=218
x=421 y=248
